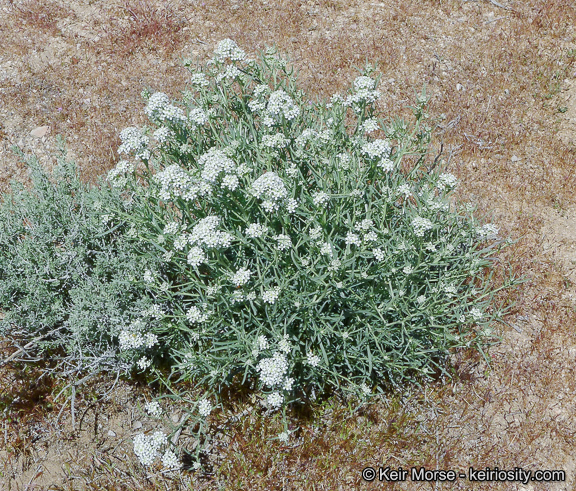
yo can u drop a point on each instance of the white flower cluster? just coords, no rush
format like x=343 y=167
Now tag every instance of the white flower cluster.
x=378 y=254
x=170 y=461
x=134 y=141
x=446 y=181
x=306 y=136
x=134 y=338
x=370 y=125
x=230 y=74
x=153 y=408
x=228 y=49
x=270 y=296
x=476 y=314
x=488 y=232
x=258 y=103
x=159 y=109
x=326 y=249
x=365 y=224
x=255 y=230
x=376 y=149
x=204 y=407
x=205 y=233
x=273 y=370
x=313 y=360
x=146 y=447
x=196 y=256
x=280 y=104
x=175 y=182
x=275 y=400
x=352 y=238
x=363 y=93
x=117 y=176
x=404 y=189
x=277 y=140
x=215 y=162
x=198 y=117
x=271 y=189
x=386 y=165
x=320 y=198
x=162 y=135
x=262 y=343
x=421 y=225
x=195 y=315
x=199 y=80
x=284 y=344
x=284 y=241
x=241 y=277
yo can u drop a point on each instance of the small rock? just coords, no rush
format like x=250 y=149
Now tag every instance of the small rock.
x=175 y=417
x=137 y=425
x=515 y=159
x=40 y=131
x=111 y=433
x=459 y=87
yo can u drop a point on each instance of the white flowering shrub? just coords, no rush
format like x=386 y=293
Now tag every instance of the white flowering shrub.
x=307 y=245
x=253 y=236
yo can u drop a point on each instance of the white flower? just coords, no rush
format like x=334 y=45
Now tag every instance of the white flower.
x=196 y=256
x=315 y=233
x=404 y=189
x=334 y=265
x=352 y=238
x=275 y=399
x=446 y=181
x=231 y=73
x=488 y=231
x=153 y=408
x=378 y=254
x=122 y=168
x=215 y=162
x=284 y=345
x=275 y=141
x=174 y=182
x=241 y=277
x=421 y=225
x=269 y=185
x=167 y=256
x=364 y=224
x=364 y=83
x=421 y=299
x=148 y=276
x=204 y=407
x=172 y=228
x=408 y=269
x=284 y=241
x=370 y=237
x=313 y=359
x=160 y=109
x=255 y=230
x=262 y=343
x=326 y=249
x=376 y=149
x=320 y=198
x=430 y=246
x=144 y=363
x=170 y=461
x=476 y=314
x=288 y=384
x=272 y=370
x=284 y=436
x=162 y=135
x=133 y=141
x=369 y=126
x=386 y=164
x=281 y=104
x=339 y=285
x=199 y=80
x=194 y=315
x=291 y=205
x=146 y=447
x=270 y=296
x=230 y=181
x=198 y=117
x=229 y=49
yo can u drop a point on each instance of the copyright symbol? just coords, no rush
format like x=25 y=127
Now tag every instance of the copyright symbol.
x=369 y=474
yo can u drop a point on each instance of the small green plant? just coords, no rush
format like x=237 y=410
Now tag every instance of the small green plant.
x=305 y=246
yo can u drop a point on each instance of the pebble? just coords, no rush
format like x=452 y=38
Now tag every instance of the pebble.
x=137 y=425
x=40 y=131
x=111 y=433
x=515 y=159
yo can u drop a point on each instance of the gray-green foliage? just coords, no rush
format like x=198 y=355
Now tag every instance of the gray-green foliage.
x=67 y=261
x=361 y=271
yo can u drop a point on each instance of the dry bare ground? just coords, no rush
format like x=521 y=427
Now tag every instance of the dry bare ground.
x=503 y=75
